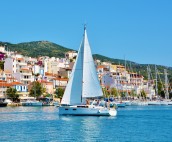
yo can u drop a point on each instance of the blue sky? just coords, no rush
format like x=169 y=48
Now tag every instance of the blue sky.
x=140 y=30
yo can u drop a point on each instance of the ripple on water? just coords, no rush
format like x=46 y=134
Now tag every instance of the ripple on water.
x=132 y=124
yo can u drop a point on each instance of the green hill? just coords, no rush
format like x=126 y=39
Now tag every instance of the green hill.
x=46 y=48
x=139 y=68
x=37 y=48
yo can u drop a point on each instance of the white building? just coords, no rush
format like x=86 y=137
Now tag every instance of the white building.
x=71 y=55
x=2 y=49
x=24 y=76
x=10 y=65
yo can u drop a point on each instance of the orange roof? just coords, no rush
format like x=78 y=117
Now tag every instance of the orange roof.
x=24 y=69
x=3 y=81
x=100 y=66
x=4 y=84
x=46 y=73
x=45 y=82
x=16 y=83
x=42 y=81
x=20 y=59
x=120 y=66
x=50 y=74
x=61 y=79
x=7 y=72
x=11 y=78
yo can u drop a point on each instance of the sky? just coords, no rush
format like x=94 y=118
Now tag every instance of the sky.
x=139 y=30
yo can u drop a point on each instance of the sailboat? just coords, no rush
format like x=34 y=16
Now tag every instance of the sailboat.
x=83 y=85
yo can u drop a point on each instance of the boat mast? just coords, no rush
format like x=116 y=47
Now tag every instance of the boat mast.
x=83 y=62
x=126 y=94
x=34 y=82
x=166 y=84
x=156 y=84
x=149 y=83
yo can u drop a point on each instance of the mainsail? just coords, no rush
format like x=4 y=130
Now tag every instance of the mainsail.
x=83 y=82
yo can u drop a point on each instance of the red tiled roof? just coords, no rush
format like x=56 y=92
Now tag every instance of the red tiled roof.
x=100 y=66
x=5 y=84
x=61 y=79
x=20 y=59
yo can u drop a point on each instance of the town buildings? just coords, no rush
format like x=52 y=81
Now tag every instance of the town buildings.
x=21 y=71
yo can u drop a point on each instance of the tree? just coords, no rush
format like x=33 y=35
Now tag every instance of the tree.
x=37 y=89
x=105 y=92
x=160 y=88
x=143 y=94
x=133 y=93
x=59 y=93
x=114 y=92
x=12 y=94
x=1 y=65
x=122 y=94
x=71 y=60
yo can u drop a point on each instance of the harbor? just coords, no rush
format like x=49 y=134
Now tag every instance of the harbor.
x=86 y=71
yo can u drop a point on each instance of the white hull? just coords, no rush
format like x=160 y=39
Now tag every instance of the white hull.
x=169 y=103
x=139 y=103
x=157 y=103
x=164 y=103
x=31 y=103
x=86 y=111
x=119 y=104
x=127 y=103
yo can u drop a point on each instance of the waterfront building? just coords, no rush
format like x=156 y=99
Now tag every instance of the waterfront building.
x=60 y=82
x=48 y=86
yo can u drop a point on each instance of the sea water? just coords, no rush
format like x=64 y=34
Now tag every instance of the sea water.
x=42 y=124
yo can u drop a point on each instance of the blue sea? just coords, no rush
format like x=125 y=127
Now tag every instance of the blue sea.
x=43 y=124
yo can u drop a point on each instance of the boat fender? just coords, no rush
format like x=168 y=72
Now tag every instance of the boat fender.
x=99 y=111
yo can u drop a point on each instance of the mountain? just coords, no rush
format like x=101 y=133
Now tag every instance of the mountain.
x=37 y=48
x=46 y=48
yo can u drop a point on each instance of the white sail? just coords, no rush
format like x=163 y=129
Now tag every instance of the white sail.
x=91 y=84
x=83 y=81
x=73 y=91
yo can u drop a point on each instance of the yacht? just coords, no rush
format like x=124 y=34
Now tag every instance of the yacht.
x=84 y=84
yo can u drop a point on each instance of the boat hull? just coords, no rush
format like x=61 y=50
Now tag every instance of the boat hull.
x=84 y=111
x=169 y=103
x=3 y=104
x=118 y=104
x=158 y=103
x=127 y=103
x=31 y=103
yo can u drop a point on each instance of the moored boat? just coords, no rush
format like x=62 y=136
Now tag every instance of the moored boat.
x=119 y=104
x=2 y=103
x=127 y=103
x=29 y=101
x=154 y=103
